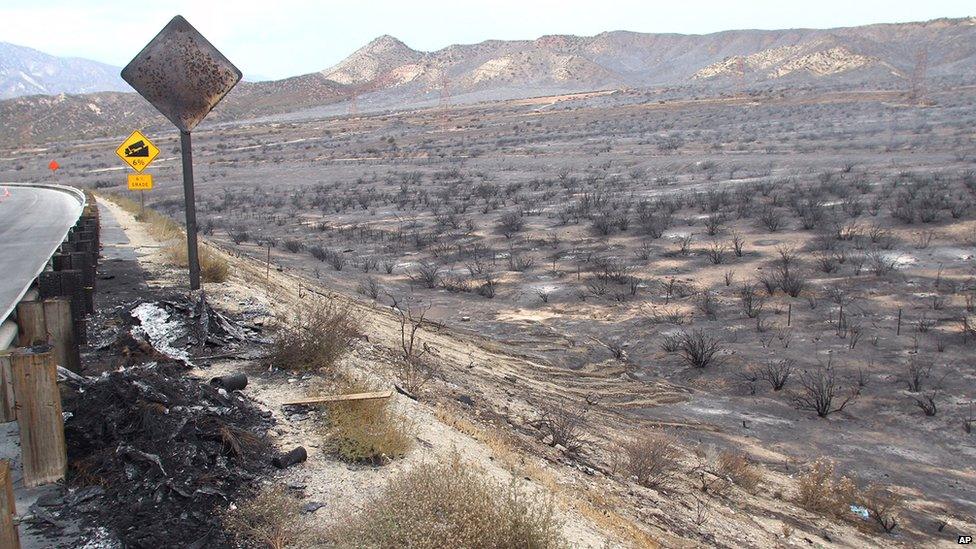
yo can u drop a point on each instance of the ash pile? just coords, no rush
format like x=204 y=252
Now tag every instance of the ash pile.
x=177 y=328
x=154 y=454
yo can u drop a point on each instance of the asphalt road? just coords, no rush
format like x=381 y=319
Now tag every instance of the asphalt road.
x=33 y=222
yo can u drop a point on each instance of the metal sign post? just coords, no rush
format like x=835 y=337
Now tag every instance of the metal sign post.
x=192 y=254
x=184 y=76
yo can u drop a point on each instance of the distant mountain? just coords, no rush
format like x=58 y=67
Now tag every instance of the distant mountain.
x=25 y=71
x=629 y=59
x=386 y=73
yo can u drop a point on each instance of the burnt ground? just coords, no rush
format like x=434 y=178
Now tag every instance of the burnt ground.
x=153 y=451
x=346 y=201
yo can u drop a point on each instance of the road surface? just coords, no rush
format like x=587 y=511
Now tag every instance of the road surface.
x=33 y=222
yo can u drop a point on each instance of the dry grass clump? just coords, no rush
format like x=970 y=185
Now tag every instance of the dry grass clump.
x=160 y=227
x=651 y=457
x=317 y=335
x=820 y=492
x=366 y=431
x=450 y=504
x=272 y=519
x=737 y=466
x=213 y=266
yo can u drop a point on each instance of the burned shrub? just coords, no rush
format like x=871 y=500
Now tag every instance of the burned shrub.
x=562 y=425
x=489 y=285
x=651 y=458
x=716 y=253
x=883 y=506
x=603 y=224
x=777 y=372
x=318 y=252
x=706 y=304
x=879 y=263
x=787 y=276
x=752 y=302
x=520 y=263
x=428 y=274
x=917 y=373
x=510 y=223
x=821 y=392
x=337 y=259
x=368 y=287
x=714 y=224
x=239 y=235
x=698 y=349
x=455 y=283
x=771 y=219
x=293 y=245
x=316 y=336
x=737 y=243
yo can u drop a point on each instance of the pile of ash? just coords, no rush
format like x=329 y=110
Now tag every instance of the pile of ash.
x=154 y=453
x=176 y=328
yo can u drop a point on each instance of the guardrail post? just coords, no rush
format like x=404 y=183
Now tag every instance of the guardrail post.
x=8 y=530
x=30 y=324
x=68 y=283
x=60 y=327
x=8 y=411
x=39 y=415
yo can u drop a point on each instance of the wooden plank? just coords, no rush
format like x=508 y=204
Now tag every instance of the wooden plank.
x=340 y=398
x=8 y=530
x=35 y=375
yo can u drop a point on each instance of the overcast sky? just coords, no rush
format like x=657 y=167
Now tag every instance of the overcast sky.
x=278 y=38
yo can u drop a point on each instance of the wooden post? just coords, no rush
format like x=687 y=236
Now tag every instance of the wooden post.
x=30 y=324
x=61 y=327
x=8 y=530
x=898 y=329
x=789 y=314
x=39 y=415
x=267 y=272
x=8 y=412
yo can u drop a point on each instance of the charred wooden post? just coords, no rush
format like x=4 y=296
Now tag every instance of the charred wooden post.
x=35 y=376
x=30 y=324
x=9 y=538
x=61 y=329
x=67 y=283
x=8 y=412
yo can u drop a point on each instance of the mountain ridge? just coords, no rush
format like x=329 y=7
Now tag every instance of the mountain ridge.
x=386 y=73
x=27 y=71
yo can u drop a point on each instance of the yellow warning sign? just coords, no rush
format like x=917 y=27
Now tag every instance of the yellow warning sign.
x=140 y=182
x=137 y=151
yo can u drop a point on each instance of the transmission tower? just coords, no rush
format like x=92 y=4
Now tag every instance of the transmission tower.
x=917 y=93
x=444 y=95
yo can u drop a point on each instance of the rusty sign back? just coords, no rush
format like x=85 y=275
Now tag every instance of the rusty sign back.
x=181 y=74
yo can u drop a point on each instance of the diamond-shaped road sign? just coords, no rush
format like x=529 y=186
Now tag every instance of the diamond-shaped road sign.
x=137 y=151
x=181 y=74
x=184 y=77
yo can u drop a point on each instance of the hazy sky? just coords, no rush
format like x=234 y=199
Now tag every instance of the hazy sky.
x=277 y=38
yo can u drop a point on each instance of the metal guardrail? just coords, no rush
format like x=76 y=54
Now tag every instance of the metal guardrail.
x=8 y=327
